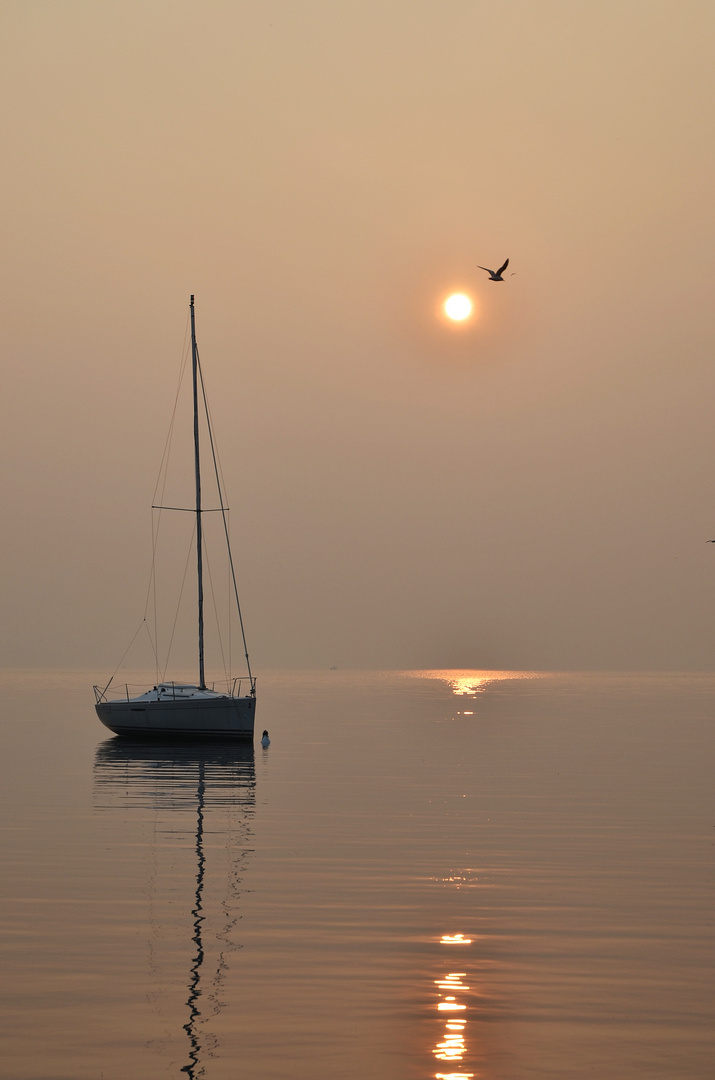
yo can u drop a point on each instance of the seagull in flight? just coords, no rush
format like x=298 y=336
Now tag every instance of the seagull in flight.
x=495 y=275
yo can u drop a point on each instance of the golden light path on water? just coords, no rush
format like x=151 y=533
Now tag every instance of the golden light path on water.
x=469 y=683
x=453 y=1004
x=452 y=1046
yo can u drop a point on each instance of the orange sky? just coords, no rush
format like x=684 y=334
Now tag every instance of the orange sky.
x=533 y=492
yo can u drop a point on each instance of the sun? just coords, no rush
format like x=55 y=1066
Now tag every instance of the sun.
x=458 y=307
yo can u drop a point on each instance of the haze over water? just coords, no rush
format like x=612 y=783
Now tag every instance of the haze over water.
x=533 y=490
x=426 y=874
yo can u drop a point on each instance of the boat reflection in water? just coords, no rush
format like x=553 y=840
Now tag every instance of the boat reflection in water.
x=187 y=792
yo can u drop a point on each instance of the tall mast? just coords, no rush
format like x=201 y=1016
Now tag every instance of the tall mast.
x=197 y=464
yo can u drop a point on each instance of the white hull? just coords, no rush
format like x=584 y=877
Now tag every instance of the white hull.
x=216 y=716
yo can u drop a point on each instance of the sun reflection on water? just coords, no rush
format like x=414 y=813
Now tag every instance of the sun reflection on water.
x=452 y=981
x=451 y=1046
x=469 y=683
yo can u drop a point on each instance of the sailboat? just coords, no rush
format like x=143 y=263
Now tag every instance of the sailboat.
x=179 y=709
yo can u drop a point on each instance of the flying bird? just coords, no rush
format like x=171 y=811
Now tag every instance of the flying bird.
x=495 y=275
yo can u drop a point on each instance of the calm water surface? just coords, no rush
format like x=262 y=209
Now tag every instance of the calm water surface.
x=426 y=875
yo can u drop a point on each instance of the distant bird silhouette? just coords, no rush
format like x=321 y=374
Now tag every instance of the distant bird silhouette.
x=710 y=541
x=495 y=275
x=265 y=741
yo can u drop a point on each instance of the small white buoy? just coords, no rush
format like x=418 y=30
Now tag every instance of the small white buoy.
x=265 y=741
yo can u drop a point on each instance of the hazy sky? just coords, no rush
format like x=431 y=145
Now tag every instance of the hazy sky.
x=535 y=491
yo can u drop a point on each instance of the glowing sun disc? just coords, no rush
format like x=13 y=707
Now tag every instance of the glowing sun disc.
x=458 y=307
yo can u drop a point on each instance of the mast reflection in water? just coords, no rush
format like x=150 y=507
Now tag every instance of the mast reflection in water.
x=204 y=793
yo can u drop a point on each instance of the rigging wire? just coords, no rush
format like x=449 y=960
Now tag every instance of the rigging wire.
x=143 y=623
x=178 y=603
x=223 y=515
x=151 y=597
x=161 y=480
x=219 y=635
